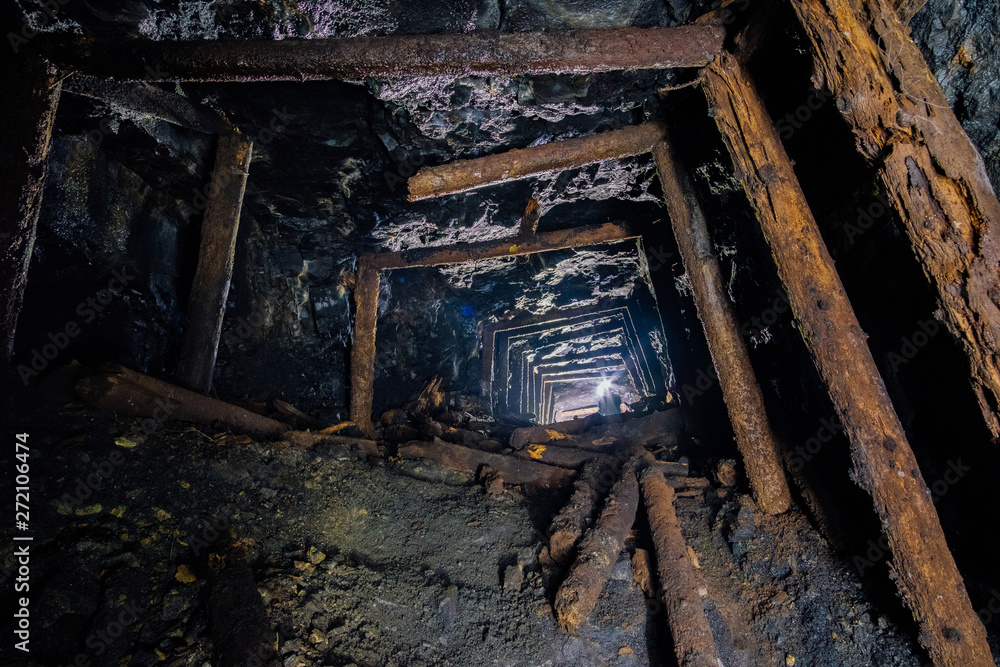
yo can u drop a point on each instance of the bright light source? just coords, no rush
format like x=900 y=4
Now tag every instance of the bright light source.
x=604 y=387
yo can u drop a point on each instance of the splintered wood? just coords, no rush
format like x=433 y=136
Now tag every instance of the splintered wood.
x=931 y=172
x=576 y=516
x=884 y=463
x=756 y=441
x=597 y=554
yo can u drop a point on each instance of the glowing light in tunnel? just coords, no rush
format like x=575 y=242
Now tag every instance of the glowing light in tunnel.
x=604 y=387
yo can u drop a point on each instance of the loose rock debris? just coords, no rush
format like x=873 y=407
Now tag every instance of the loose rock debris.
x=361 y=556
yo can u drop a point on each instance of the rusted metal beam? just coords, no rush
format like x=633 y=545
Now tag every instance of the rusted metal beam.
x=480 y=53
x=933 y=175
x=366 y=292
x=207 y=305
x=32 y=95
x=574 y=237
x=754 y=437
x=467 y=175
x=884 y=463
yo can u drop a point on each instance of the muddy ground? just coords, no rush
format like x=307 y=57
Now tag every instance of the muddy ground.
x=384 y=562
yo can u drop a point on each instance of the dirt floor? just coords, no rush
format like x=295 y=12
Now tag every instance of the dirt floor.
x=386 y=562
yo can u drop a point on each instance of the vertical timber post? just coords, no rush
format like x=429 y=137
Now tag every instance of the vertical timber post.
x=219 y=229
x=366 y=292
x=884 y=464
x=756 y=441
x=27 y=118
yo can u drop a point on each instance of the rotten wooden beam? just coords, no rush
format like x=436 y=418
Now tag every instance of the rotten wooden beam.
x=242 y=634
x=147 y=100
x=907 y=9
x=884 y=464
x=754 y=437
x=479 y=53
x=466 y=175
x=597 y=553
x=577 y=514
x=126 y=392
x=32 y=92
x=694 y=645
x=464 y=459
x=933 y=175
x=366 y=292
x=207 y=305
x=575 y=458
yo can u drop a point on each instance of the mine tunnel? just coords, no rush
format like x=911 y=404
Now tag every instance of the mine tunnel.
x=500 y=332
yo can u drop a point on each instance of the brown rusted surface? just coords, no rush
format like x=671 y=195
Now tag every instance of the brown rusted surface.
x=480 y=53
x=756 y=441
x=597 y=554
x=694 y=645
x=471 y=252
x=884 y=464
x=221 y=223
x=932 y=173
x=907 y=9
x=463 y=459
x=308 y=440
x=466 y=175
x=126 y=392
x=363 y=345
x=32 y=95
x=577 y=514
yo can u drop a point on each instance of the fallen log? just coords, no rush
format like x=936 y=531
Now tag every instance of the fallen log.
x=577 y=514
x=754 y=438
x=308 y=440
x=572 y=457
x=884 y=464
x=597 y=554
x=466 y=175
x=678 y=587
x=479 y=53
x=24 y=150
x=658 y=428
x=242 y=635
x=513 y=471
x=127 y=392
x=930 y=170
x=210 y=292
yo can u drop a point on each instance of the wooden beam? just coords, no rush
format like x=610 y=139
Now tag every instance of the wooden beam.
x=907 y=9
x=466 y=175
x=884 y=464
x=480 y=53
x=366 y=292
x=207 y=305
x=932 y=173
x=148 y=100
x=573 y=237
x=32 y=95
x=754 y=437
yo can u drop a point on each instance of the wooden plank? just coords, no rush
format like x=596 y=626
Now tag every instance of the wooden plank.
x=32 y=95
x=207 y=305
x=574 y=237
x=366 y=292
x=884 y=464
x=466 y=175
x=479 y=53
x=756 y=442
x=465 y=459
x=930 y=170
